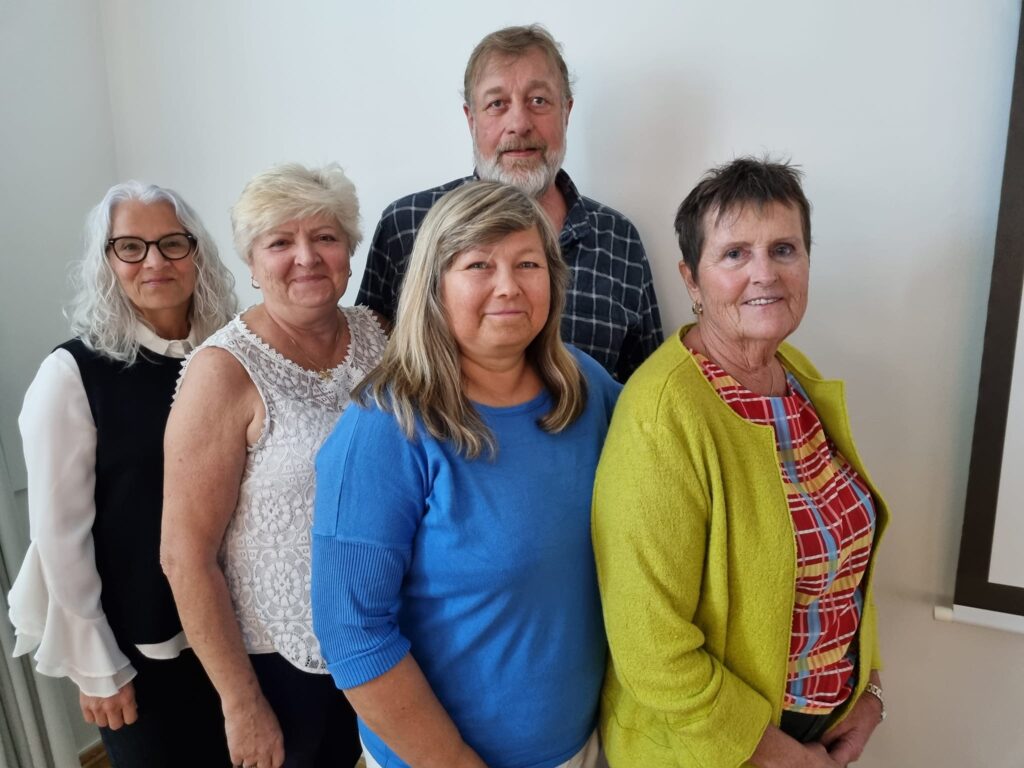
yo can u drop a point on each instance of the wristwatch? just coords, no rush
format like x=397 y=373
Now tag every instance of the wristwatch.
x=876 y=691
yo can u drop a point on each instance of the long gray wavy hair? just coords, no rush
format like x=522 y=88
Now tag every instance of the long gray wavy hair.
x=100 y=312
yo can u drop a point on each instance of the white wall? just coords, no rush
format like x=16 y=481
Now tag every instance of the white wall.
x=58 y=159
x=896 y=110
x=57 y=149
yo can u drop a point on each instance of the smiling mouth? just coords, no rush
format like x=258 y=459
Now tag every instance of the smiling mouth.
x=519 y=152
x=762 y=302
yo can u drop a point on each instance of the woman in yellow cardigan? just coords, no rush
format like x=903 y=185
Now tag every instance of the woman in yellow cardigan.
x=734 y=524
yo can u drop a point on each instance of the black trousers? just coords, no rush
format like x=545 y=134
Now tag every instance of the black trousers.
x=318 y=723
x=180 y=721
x=803 y=728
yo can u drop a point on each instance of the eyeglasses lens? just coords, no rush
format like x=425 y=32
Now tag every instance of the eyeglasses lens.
x=174 y=246
x=133 y=249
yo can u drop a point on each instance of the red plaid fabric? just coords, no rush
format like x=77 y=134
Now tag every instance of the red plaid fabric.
x=833 y=517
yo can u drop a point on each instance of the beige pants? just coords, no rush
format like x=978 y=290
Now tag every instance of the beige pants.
x=588 y=757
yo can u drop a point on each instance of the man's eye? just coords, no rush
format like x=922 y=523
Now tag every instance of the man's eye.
x=496 y=104
x=784 y=250
x=733 y=253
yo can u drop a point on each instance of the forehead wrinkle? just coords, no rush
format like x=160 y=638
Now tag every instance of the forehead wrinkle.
x=729 y=214
x=499 y=62
x=531 y=85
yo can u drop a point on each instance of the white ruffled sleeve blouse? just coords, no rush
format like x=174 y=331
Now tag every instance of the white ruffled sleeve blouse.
x=55 y=600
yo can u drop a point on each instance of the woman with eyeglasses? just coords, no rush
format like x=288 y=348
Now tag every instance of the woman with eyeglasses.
x=90 y=598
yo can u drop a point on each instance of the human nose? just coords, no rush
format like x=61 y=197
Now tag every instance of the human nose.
x=305 y=252
x=506 y=282
x=520 y=121
x=158 y=259
x=764 y=270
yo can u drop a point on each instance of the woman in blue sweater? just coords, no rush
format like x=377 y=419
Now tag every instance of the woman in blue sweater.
x=454 y=593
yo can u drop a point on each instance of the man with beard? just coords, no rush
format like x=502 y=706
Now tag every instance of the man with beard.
x=517 y=103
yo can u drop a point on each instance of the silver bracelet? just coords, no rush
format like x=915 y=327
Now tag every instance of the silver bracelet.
x=876 y=691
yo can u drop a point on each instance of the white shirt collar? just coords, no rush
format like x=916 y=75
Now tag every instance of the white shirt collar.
x=168 y=348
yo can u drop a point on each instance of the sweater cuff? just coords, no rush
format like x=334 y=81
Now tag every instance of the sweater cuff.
x=353 y=672
x=730 y=733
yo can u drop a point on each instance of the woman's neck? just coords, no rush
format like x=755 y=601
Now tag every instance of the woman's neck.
x=500 y=382
x=317 y=340
x=753 y=364
x=168 y=325
x=317 y=328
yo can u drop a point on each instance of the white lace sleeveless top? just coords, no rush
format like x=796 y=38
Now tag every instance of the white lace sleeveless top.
x=266 y=548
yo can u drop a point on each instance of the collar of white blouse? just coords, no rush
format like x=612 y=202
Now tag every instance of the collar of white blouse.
x=168 y=348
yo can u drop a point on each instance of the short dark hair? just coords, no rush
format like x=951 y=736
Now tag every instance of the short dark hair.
x=515 y=42
x=729 y=187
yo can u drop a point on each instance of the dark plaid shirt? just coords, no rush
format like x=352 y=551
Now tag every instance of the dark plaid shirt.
x=611 y=312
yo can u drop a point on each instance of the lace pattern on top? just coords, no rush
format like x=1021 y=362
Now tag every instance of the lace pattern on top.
x=266 y=549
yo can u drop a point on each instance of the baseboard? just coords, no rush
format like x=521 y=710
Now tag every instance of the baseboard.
x=94 y=756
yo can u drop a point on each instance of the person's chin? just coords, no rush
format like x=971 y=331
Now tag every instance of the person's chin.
x=314 y=298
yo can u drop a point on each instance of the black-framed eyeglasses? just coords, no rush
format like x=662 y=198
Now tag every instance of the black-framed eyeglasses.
x=132 y=250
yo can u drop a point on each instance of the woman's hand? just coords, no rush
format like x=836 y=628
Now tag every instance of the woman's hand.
x=254 y=735
x=846 y=741
x=110 y=711
x=777 y=750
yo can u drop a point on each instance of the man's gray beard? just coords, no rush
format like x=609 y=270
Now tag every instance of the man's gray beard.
x=533 y=181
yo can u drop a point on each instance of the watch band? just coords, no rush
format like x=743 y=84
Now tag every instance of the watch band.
x=876 y=691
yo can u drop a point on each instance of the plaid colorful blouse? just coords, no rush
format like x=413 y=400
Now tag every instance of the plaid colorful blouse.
x=833 y=517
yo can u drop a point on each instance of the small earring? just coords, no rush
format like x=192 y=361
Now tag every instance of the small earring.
x=253 y=283
x=698 y=308
x=350 y=273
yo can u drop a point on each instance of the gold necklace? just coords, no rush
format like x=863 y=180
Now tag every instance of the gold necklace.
x=323 y=372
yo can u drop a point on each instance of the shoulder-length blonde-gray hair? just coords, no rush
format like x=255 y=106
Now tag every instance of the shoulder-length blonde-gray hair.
x=100 y=312
x=420 y=375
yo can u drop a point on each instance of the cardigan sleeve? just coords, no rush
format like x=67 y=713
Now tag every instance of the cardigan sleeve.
x=55 y=600
x=650 y=529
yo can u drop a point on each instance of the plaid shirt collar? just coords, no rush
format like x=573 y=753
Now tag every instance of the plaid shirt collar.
x=577 y=223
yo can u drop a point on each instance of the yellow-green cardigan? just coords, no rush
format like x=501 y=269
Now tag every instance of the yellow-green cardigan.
x=696 y=561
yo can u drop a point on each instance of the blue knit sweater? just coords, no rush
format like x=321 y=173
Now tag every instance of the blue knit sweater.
x=482 y=569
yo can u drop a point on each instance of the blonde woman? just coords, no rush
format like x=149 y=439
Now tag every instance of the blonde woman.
x=453 y=582
x=254 y=405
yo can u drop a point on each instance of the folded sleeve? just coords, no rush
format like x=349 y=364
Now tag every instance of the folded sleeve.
x=55 y=600
x=370 y=499
x=650 y=527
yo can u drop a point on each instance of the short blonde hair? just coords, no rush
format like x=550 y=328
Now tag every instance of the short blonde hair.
x=293 y=191
x=420 y=374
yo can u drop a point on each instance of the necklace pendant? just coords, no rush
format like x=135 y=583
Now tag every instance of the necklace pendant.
x=325 y=374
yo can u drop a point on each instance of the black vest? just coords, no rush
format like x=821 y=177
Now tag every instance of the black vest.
x=130 y=405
